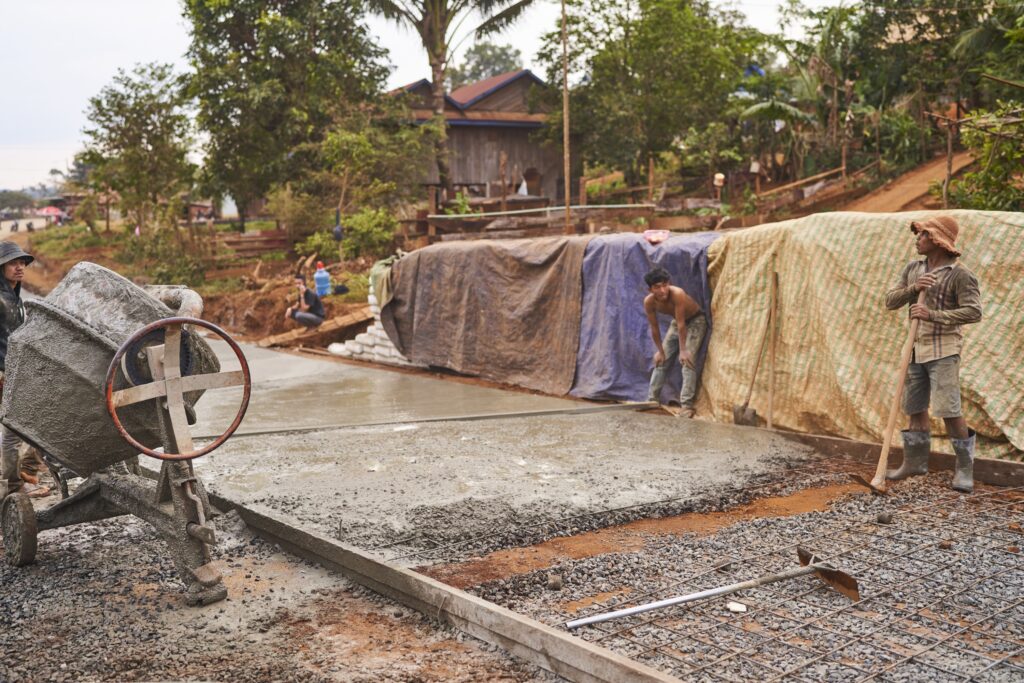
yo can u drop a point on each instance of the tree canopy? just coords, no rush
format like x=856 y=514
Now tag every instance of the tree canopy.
x=138 y=139
x=483 y=60
x=268 y=77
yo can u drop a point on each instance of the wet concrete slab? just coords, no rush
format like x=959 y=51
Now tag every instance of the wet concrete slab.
x=427 y=484
x=295 y=392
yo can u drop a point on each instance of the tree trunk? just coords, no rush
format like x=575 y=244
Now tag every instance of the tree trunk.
x=441 y=146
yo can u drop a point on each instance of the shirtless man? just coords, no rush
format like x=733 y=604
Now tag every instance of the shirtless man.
x=688 y=323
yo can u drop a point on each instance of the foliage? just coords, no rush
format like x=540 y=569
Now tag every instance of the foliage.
x=299 y=213
x=11 y=199
x=321 y=242
x=901 y=138
x=138 y=140
x=164 y=256
x=483 y=60
x=460 y=205
x=998 y=182
x=374 y=156
x=358 y=288
x=268 y=77
x=437 y=22
x=88 y=210
x=648 y=70
x=58 y=241
x=371 y=232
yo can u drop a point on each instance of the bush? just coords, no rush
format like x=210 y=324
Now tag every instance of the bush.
x=163 y=257
x=371 y=232
x=321 y=243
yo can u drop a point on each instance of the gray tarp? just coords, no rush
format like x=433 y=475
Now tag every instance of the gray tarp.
x=506 y=310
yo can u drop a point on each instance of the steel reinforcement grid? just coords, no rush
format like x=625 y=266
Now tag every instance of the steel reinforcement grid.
x=942 y=599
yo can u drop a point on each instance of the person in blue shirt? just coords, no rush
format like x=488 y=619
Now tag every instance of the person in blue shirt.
x=309 y=310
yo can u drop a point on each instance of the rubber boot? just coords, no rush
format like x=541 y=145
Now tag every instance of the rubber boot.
x=916 y=447
x=963 y=480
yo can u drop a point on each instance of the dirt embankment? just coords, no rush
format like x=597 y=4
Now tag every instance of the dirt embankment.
x=251 y=312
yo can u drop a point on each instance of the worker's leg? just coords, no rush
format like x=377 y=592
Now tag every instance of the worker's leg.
x=307 y=319
x=696 y=328
x=671 y=346
x=10 y=477
x=945 y=380
x=917 y=440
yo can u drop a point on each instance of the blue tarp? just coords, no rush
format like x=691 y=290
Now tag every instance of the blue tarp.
x=616 y=354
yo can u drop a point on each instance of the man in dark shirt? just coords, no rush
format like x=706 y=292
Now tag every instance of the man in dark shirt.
x=309 y=310
x=12 y=314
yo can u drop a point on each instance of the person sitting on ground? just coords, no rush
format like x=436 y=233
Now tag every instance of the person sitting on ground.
x=952 y=299
x=688 y=323
x=12 y=314
x=309 y=312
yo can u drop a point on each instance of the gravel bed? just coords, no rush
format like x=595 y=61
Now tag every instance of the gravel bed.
x=103 y=602
x=942 y=588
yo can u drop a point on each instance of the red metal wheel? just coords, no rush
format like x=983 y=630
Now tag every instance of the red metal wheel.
x=172 y=386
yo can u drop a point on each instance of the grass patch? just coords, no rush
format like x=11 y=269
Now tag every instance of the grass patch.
x=58 y=242
x=358 y=288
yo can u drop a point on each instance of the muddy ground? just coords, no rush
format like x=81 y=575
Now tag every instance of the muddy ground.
x=103 y=603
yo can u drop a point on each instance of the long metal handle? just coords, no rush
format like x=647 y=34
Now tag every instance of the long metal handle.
x=693 y=597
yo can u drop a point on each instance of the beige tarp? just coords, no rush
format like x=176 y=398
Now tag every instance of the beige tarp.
x=838 y=347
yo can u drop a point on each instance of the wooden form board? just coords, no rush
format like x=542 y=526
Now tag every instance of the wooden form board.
x=352 y=318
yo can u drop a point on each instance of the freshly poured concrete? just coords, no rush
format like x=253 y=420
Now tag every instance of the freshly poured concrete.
x=428 y=482
x=293 y=392
x=374 y=485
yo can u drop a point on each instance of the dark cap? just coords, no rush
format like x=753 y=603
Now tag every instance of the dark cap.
x=10 y=251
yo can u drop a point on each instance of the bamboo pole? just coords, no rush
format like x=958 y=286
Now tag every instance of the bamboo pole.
x=565 y=124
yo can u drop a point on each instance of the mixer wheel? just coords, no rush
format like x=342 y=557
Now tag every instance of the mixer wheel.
x=20 y=530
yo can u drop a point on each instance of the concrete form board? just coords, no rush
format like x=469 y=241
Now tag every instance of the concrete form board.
x=986 y=470
x=521 y=636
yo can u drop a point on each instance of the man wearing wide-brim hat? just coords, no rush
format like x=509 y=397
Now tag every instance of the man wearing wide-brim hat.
x=952 y=299
x=12 y=314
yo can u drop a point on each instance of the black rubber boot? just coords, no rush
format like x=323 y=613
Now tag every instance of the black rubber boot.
x=916 y=447
x=963 y=480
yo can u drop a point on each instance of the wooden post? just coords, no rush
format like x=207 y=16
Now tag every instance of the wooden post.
x=949 y=164
x=650 y=178
x=583 y=191
x=503 y=168
x=567 y=229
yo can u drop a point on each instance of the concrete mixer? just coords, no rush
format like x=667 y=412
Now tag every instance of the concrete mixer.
x=102 y=371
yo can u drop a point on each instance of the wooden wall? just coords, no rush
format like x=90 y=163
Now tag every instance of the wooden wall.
x=475 y=151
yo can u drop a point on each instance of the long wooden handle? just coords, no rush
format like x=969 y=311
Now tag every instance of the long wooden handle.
x=773 y=316
x=760 y=353
x=901 y=377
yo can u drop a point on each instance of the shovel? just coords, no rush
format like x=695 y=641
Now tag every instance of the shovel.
x=838 y=580
x=743 y=414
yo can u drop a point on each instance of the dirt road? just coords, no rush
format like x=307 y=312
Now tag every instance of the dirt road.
x=909 y=187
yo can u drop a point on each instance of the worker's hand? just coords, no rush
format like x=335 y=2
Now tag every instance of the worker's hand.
x=924 y=282
x=920 y=311
x=685 y=358
x=659 y=357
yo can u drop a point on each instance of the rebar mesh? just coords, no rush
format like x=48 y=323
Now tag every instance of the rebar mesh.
x=942 y=591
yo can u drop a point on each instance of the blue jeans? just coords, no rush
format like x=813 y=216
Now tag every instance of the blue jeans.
x=696 y=328
x=306 y=319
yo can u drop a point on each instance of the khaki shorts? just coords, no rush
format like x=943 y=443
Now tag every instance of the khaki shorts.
x=937 y=383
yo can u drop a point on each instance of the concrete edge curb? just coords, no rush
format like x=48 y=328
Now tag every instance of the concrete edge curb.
x=521 y=636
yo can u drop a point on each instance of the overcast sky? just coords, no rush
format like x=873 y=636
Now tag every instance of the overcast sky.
x=56 y=54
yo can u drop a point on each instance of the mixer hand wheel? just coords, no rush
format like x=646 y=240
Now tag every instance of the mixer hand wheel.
x=169 y=384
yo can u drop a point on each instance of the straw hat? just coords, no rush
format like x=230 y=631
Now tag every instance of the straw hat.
x=942 y=229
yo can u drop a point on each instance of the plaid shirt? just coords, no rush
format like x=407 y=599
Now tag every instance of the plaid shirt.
x=955 y=300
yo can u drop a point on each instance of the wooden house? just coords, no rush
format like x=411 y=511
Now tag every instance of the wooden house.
x=485 y=119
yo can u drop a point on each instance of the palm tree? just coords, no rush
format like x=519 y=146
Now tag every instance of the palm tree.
x=437 y=22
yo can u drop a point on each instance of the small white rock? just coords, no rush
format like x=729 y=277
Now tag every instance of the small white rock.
x=737 y=607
